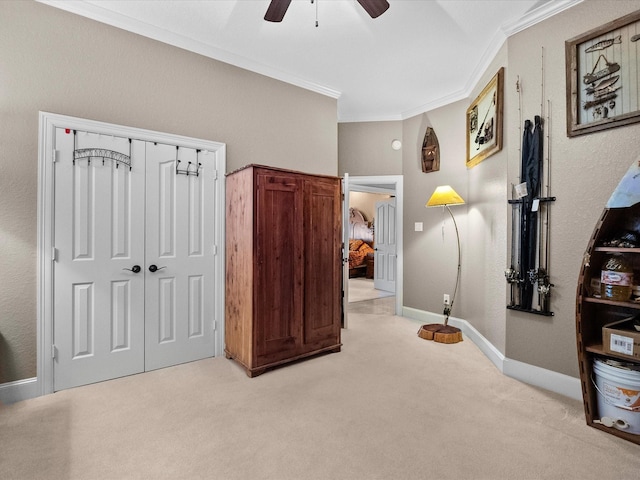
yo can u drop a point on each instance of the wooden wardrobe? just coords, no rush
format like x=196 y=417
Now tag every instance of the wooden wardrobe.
x=283 y=266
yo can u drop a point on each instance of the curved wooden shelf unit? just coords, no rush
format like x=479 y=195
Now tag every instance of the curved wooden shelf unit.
x=593 y=313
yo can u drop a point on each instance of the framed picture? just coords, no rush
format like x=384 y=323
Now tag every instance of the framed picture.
x=484 y=122
x=603 y=80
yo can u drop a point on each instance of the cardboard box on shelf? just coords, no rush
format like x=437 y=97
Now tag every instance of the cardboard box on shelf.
x=622 y=338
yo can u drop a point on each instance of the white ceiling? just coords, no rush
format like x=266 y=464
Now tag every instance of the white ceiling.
x=418 y=55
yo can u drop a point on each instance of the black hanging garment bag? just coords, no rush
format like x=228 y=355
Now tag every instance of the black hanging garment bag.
x=530 y=174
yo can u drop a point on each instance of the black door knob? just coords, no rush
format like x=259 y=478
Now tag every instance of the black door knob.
x=134 y=269
x=154 y=268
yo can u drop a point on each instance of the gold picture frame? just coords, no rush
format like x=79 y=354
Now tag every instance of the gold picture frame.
x=603 y=86
x=484 y=121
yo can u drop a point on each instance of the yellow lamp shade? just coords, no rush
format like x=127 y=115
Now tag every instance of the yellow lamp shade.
x=444 y=195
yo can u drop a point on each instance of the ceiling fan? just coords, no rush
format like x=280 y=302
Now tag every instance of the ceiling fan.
x=277 y=8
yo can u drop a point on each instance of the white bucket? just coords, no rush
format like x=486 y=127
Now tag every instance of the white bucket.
x=618 y=396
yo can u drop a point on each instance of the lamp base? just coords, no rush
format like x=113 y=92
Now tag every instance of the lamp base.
x=440 y=333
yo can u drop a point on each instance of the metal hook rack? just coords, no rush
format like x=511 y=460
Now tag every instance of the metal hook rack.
x=193 y=168
x=89 y=153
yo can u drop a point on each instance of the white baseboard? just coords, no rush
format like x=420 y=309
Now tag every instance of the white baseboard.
x=19 y=390
x=543 y=378
x=524 y=372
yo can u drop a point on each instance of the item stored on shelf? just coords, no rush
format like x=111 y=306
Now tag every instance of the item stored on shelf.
x=616 y=278
x=626 y=239
x=618 y=396
x=622 y=338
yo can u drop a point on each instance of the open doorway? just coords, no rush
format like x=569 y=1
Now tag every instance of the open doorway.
x=371 y=246
x=378 y=199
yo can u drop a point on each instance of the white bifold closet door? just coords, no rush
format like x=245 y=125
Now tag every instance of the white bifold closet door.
x=133 y=273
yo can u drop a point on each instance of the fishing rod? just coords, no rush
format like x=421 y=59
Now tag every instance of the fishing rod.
x=542 y=85
x=518 y=210
x=540 y=167
x=540 y=273
x=544 y=288
x=512 y=274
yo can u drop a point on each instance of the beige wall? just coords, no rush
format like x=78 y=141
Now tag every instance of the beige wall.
x=429 y=259
x=61 y=63
x=483 y=282
x=584 y=172
x=365 y=148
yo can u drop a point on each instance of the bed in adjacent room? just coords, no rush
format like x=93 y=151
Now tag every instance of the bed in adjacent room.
x=361 y=252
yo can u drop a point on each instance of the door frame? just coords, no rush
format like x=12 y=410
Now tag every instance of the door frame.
x=392 y=185
x=48 y=122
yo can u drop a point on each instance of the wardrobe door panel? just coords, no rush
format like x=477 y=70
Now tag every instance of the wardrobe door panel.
x=278 y=306
x=322 y=295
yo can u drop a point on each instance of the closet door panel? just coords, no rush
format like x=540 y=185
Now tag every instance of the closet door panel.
x=98 y=308
x=180 y=259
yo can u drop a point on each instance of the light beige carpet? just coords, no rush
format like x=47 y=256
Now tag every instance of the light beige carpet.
x=362 y=289
x=389 y=406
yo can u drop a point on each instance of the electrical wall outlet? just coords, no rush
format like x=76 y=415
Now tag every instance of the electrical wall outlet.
x=447 y=300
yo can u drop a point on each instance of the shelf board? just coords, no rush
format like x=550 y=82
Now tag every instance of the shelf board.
x=617 y=249
x=603 y=301
x=613 y=431
x=598 y=349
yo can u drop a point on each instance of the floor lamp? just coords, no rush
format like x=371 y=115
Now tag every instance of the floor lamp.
x=443 y=333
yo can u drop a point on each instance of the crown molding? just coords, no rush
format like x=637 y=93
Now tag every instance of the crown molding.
x=505 y=31
x=538 y=15
x=103 y=15
x=436 y=103
x=377 y=117
x=97 y=13
x=535 y=16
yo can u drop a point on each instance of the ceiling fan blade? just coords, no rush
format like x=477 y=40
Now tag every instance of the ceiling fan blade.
x=374 y=8
x=276 y=10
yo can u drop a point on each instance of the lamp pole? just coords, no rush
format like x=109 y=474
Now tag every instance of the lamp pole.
x=447 y=309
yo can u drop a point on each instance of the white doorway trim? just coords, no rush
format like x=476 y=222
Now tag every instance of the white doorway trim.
x=48 y=122
x=392 y=185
